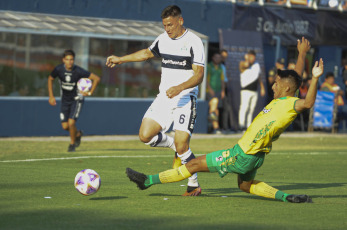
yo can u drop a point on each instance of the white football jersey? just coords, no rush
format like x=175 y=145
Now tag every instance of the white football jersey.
x=178 y=55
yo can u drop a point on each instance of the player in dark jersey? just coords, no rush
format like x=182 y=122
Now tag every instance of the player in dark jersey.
x=71 y=100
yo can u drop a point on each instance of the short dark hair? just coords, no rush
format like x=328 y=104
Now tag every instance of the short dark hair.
x=172 y=10
x=329 y=74
x=68 y=52
x=252 y=52
x=292 y=76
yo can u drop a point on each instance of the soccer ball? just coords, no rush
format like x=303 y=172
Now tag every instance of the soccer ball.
x=84 y=85
x=87 y=182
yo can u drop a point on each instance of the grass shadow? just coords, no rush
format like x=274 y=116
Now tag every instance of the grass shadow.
x=293 y=186
x=328 y=196
x=162 y=194
x=221 y=191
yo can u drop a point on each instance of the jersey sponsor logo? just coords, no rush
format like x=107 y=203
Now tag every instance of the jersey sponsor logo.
x=176 y=62
x=262 y=133
x=172 y=62
x=68 y=86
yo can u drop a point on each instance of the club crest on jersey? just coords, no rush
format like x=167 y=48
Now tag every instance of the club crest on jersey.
x=67 y=78
x=184 y=47
x=266 y=110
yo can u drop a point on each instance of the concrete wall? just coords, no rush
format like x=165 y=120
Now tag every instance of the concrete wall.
x=35 y=117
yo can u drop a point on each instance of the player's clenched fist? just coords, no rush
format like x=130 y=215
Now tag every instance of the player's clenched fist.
x=112 y=61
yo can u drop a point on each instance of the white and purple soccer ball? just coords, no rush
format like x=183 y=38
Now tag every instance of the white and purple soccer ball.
x=87 y=182
x=84 y=85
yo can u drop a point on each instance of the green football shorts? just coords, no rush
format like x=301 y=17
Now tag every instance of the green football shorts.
x=235 y=161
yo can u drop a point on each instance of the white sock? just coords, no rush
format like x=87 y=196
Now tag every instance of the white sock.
x=193 y=180
x=162 y=140
x=185 y=156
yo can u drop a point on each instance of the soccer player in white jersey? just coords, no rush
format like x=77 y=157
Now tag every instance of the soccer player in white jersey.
x=183 y=59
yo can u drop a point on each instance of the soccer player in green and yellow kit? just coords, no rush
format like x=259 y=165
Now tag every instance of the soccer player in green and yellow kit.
x=248 y=154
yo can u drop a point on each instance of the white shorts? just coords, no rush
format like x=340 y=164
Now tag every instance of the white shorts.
x=166 y=111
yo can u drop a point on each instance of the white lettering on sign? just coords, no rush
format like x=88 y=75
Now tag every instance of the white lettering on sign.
x=299 y=27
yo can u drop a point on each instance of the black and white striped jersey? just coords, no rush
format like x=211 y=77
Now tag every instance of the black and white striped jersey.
x=178 y=55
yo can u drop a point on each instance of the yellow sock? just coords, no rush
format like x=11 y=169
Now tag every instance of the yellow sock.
x=174 y=175
x=262 y=189
x=176 y=163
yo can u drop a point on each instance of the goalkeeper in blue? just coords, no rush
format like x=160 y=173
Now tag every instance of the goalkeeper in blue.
x=249 y=153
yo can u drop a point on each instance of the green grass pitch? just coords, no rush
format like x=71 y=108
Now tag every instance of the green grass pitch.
x=315 y=165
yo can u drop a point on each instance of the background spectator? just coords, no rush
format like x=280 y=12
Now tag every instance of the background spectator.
x=304 y=87
x=250 y=78
x=215 y=89
x=226 y=102
x=343 y=74
x=272 y=75
x=291 y=64
x=329 y=85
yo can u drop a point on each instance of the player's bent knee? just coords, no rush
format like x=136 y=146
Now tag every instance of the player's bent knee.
x=71 y=122
x=146 y=137
x=65 y=126
x=180 y=149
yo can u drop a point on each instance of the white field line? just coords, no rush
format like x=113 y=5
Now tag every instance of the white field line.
x=195 y=136
x=82 y=157
x=155 y=156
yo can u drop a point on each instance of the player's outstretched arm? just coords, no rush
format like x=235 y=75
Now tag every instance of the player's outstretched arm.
x=303 y=47
x=140 y=55
x=195 y=80
x=51 y=99
x=308 y=102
